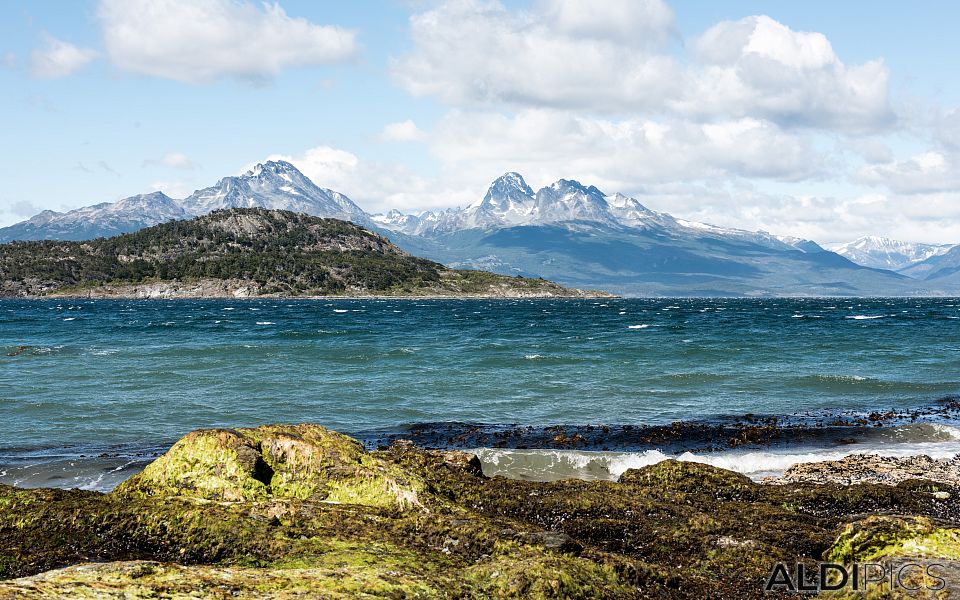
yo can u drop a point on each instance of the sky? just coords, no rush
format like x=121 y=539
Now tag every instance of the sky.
x=821 y=120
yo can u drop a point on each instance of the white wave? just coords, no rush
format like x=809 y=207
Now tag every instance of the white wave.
x=70 y=319
x=532 y=356
x=340 y=310
x=551 y=465
x=865 y=317
x=643 y=326
x=947 y=430
x=265 y=323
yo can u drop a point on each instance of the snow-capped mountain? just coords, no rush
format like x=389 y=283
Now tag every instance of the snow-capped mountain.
x=510 y=202
x=566 y=231
x=885 y=253
x=273 y=184
x=276 y=185
x=100 y=220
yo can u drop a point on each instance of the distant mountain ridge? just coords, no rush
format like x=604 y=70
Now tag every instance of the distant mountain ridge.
x=566 y=231
x=274 y=185
x=885 y=253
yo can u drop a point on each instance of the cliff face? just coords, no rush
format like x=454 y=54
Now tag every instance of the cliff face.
x=298 y=510
x=243 y=252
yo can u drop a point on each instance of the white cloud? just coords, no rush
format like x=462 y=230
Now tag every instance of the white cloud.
x=758 y=66
x=477 y=51
x=929 y=172
x=618 y=154
x=174 y=160
x=611 y=57
x=58 y=59
x=402 y=131
x=377 y=187
x=947 y=129
x=826 y=219
x=200 y=41
x=640 y=23
x=871 y=150
x=24 y=208
x=174 y=189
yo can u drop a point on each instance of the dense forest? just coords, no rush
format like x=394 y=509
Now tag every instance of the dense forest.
x=276 y=252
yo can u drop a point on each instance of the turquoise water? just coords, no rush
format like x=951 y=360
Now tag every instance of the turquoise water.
x=119 y=380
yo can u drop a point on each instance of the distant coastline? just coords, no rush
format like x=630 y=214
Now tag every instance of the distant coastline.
x=242 y=290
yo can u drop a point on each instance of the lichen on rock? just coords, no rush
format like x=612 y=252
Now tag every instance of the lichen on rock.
x=303 y=461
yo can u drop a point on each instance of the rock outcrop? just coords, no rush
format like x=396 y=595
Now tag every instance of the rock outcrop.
x=871 y=468
x=300 y=511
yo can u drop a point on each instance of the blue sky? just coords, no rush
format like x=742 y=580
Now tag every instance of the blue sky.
x=816 y=119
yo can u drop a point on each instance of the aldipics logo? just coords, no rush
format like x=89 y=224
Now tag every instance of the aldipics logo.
x=905 y=575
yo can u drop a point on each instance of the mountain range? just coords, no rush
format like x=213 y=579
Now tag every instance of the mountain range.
x=884 y=253
x=275 y=185
x=568 y=232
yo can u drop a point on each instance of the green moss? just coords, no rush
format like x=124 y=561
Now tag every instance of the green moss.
x=878 y=537
x=270 y=462
x=516 y=572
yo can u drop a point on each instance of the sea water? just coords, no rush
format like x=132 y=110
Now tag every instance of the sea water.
x=91 y=390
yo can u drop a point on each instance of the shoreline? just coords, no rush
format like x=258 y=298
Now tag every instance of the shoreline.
x=757 y=446
x=283 y=509
x=585 y=296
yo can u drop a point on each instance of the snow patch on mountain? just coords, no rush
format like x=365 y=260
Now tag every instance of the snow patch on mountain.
x=885 y=253
x=510 y=202
x=274 y=185
x=100 y=220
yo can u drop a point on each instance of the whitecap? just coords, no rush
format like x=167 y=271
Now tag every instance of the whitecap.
x=70 y=319
x=265 y=323
x=865 y=317
x=552 y=465
x=643 y=326
x=340 y=310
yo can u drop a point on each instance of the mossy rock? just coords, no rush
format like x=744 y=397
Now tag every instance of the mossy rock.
x=922 y=554
x=149 y=579
x=276 y=461
x=878 y=537
x=682 y=476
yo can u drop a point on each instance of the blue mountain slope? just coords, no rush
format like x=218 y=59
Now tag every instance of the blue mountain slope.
x=657 y=263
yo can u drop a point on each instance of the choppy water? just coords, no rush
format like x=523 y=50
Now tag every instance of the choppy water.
x=90 y=390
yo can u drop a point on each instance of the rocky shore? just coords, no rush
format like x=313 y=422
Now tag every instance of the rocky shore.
x=301 y=511
x=870 y=468
x=239 y=288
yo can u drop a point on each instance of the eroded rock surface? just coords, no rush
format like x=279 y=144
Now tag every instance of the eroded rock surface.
x=871 y=468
